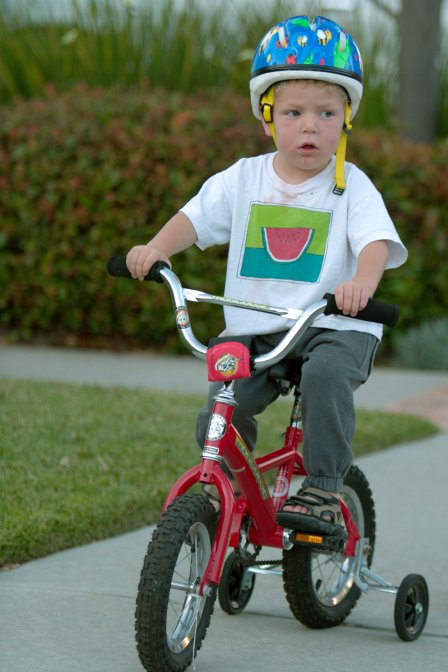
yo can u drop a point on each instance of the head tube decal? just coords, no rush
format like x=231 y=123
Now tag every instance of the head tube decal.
x=217 y=427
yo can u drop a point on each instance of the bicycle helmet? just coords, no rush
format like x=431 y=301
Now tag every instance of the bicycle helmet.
x=302 y=49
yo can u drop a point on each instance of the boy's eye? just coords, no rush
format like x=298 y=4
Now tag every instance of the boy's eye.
x=327 y=114
x=292 y=113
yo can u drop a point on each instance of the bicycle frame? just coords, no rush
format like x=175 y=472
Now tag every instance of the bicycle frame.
x=223 y=443
x=227 y=446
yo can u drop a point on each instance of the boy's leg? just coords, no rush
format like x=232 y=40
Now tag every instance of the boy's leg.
x=335 y=364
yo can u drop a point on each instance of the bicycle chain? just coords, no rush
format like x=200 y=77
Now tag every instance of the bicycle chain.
x=248 y=559
x=259 y=563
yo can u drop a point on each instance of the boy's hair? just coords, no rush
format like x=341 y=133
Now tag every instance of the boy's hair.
x=317 y=82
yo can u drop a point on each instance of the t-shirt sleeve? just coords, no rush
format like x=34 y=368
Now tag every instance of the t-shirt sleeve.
x=210 y=211
x=369 y=220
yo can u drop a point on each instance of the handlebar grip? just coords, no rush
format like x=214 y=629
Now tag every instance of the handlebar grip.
x=375 y=311
x=116 y=266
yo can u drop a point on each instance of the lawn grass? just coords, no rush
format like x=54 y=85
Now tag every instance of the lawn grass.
x=82 y=463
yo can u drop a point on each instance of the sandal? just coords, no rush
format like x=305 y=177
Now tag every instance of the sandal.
x=320 y=505
x=212 y=493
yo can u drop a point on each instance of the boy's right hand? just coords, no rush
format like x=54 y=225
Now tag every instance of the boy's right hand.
x=141 y=258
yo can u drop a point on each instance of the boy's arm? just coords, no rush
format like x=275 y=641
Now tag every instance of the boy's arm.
x=177 y=234
x=353 y=295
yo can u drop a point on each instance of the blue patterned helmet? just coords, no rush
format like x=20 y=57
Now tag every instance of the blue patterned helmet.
x=302 y=49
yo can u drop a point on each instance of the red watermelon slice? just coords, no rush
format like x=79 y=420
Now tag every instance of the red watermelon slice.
x=286 y=245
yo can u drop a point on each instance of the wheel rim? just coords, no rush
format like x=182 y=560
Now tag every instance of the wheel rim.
x=333 y=573
x=185 y=604
x=414 y=608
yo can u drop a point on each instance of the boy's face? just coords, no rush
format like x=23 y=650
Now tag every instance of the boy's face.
x=308 y=120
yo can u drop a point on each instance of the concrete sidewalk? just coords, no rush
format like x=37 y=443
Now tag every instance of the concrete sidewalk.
x=73 y=611
x=423 y=393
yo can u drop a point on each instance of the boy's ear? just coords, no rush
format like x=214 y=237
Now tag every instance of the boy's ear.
x=267 y=128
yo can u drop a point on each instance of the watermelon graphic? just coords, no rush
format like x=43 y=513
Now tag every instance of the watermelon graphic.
x=285 y=242
x=286 y=245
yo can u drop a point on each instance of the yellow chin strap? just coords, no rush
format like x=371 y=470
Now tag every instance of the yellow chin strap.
x=340 y=153
x=267 y=112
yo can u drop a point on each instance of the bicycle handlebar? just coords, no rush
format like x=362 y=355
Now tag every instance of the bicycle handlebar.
x=116 y=266
x=375 y=311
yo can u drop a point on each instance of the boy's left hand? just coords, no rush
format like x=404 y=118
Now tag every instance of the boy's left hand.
x=351 y=297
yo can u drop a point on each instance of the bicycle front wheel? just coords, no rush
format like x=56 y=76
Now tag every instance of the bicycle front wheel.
x=171 y=617
x=320 y=587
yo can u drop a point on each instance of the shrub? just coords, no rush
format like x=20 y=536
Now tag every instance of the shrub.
x=413 y=179
x=181 y=46
x=88 y=173
x=423 y=346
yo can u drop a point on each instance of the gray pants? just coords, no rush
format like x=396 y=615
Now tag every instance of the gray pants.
x=335 y=363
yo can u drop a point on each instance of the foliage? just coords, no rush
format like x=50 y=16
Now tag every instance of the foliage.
x=89 y=173
x=423 y=346
x=413 y=180
x=82 y=463
x=105 y=42
x=182 y=46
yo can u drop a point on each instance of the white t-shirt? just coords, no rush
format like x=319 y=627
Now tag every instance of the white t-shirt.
x=289 y=244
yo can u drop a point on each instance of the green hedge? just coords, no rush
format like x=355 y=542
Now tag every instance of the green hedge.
x=89 y=173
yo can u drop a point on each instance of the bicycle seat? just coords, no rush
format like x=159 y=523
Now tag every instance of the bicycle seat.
x=287 y=374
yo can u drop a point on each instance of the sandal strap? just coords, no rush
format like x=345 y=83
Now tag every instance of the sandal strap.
x=318 y=502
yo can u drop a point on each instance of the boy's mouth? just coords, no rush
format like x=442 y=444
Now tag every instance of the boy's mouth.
x=307 y=147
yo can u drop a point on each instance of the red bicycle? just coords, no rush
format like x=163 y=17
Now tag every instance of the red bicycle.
x=188 y=563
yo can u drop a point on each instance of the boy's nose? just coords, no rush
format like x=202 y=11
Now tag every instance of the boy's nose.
x=309 y=123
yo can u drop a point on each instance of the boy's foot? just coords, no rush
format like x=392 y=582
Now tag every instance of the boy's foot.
x=213 y=494
x=313 y=510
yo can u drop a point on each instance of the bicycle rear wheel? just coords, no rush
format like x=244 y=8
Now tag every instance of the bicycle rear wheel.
x=171 y=617
x=319 y=586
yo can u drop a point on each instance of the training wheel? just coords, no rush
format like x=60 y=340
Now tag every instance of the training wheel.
x=411 y=607
x=236 y=585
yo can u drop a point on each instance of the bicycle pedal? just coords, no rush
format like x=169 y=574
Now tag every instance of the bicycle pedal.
x=325 y=542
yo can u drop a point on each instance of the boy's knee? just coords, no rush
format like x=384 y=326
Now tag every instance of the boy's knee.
x=202 y=421
x=320 y=372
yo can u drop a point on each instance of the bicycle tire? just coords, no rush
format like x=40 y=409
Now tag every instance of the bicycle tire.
x=235 y=587
x=320 y=587
x=411 y=607
x=174 y=564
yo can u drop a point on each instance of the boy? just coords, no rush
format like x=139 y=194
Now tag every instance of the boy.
x=299 y=222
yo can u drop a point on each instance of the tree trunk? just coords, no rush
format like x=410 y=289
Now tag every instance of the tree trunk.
x=419 y=28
